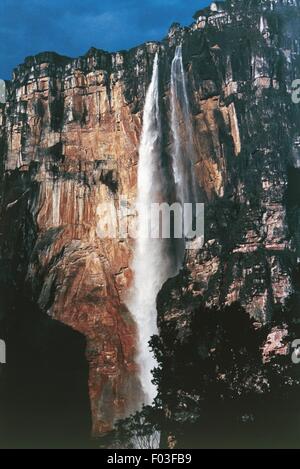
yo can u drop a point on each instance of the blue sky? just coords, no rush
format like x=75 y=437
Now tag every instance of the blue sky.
x=71 y=27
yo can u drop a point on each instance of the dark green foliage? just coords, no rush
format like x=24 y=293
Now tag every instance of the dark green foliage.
x=215 y=390
x=140 y=431
x=214 y=386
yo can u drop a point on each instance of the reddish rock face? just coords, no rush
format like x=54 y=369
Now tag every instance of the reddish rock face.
x=69 y=139
x=75 y=136
x=275 y=344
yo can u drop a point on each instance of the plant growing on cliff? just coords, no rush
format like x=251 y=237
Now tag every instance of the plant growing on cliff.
x=139 y=431
x=213 y=383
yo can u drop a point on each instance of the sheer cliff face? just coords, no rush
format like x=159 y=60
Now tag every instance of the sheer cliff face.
x=70 y=133
x=70 y=144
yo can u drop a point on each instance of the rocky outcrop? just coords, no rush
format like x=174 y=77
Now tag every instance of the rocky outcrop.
x=240 y=81
x=246 y=129
x=70 y=143
x=70 y=133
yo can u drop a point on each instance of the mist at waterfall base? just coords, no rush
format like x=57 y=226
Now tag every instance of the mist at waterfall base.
x=154 y=260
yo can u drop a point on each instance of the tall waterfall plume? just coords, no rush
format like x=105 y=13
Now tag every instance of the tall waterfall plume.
x=183 y=158
x=182 y=135
x=152 y=264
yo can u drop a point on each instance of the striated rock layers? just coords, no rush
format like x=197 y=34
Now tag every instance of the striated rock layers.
x=70 y=133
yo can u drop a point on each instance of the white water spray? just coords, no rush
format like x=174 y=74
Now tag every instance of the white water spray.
x=56 y=203
x=154 y=262
x=152 y=265
x=182 y=133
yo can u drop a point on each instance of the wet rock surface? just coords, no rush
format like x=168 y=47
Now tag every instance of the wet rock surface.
x=69 y=140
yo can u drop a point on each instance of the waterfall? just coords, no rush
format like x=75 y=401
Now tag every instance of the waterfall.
x=182 y=136
x=152 y=264
x=183 y=158
x=56 y=203
x=155 y=259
